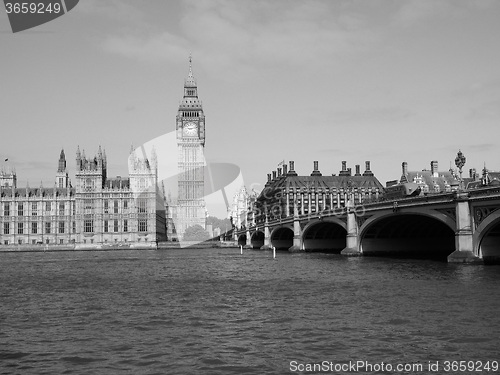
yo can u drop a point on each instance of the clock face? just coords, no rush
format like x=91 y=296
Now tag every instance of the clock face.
x=190 y=129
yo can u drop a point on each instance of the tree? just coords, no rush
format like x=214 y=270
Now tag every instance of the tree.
x=196 y=233
x=223 y=224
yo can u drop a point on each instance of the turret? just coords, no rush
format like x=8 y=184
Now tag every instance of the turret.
x=62 y=173
x=78 y=159
x=62 y=162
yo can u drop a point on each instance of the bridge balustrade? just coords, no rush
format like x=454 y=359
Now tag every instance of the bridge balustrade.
x=472 y=217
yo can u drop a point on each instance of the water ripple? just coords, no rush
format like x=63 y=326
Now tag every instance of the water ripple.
x=217 y=312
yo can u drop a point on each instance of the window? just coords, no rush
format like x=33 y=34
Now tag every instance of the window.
x=34 y=208
x=74 y=227
x=106 y=206
x=6 y=228
x=105 y=226
x=88 y=203
x=141 y=205
x=125 y=203
x=125 y=225
x=20 y=209
x=20 y=228
x=6 y=242
x=48 y=206
x=61 y=227
x=20 y=241
x=6 y=209
x=74 y=207
x=115 y=208
x=47 y=227
x=34 y=228
x=115 y=226
x=61 y=208
x=88 y=226
x=61 y=241
x=143 y=225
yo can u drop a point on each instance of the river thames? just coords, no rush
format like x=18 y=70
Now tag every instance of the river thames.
x=215 y=311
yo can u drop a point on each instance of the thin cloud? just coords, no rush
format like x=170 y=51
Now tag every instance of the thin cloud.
x=251 y=34
x=378 y=115
x=477 y=89
x=117 y=10
x=483 y=147
x=486 y=111
x=155 y=48
x=34 y=164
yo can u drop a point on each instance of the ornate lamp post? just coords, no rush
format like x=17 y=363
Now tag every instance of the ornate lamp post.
x=460 y=162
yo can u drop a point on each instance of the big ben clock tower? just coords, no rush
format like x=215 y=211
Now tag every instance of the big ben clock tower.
x=190 y=127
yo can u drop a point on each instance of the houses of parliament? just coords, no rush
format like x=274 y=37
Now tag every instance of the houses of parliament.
x=98 y=211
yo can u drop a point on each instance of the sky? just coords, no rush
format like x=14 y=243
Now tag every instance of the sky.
x=380 y=80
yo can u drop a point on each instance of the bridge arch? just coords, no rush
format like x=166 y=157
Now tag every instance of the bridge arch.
x=325 y=235
x=242 y=240
x=487 y=239
x=282 y=238
x=414 y=234
x=257 y=239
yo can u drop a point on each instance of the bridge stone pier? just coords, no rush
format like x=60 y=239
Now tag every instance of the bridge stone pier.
x=461 y=227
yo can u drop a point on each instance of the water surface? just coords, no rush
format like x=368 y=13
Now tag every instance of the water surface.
x=214 y=311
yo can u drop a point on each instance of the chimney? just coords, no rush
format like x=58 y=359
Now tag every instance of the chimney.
x=274 y=175
x=344 y=171
x=285 y=167
x=316 y=171
x=279 y=172
x=269 y=177
x=349 y=171
x=368 y=171
x=473 y=174
x=291 y=172
x=358 y=172
x=434 y=168
x=405 y=168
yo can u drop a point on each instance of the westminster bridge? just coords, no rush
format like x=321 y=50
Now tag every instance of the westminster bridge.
x=460 y=226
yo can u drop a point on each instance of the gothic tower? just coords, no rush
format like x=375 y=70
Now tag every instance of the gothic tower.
x=190 y=127
x=62 y=180
x=90 y=173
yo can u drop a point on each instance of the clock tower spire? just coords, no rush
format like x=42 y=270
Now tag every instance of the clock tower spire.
x=190 y=130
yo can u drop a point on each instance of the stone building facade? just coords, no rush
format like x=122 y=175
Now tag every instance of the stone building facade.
x=96 y=212
x=286 y=193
